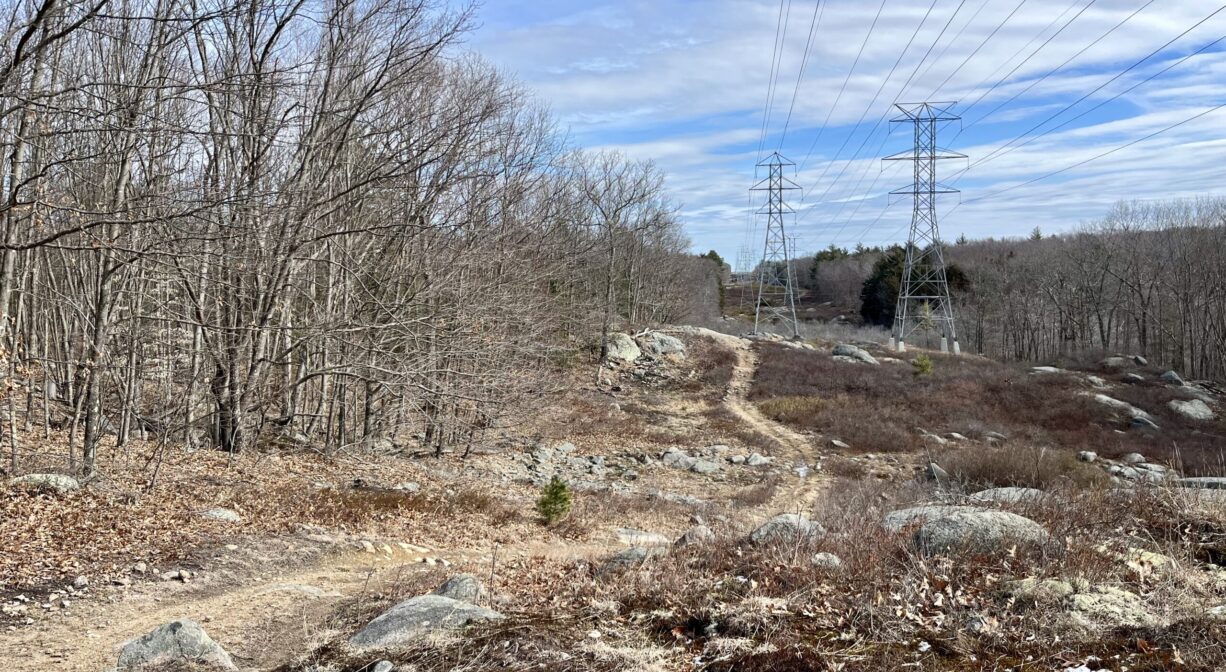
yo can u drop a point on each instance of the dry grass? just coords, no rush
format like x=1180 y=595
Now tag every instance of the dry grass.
x=982 y=467
x=881 y=408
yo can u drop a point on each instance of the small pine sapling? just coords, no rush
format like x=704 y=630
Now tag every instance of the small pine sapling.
x=554 y=502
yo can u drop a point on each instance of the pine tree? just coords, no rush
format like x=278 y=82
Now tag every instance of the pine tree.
x=554 y=502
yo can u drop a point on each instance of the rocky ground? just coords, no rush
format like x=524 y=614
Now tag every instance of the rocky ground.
x=718 y=524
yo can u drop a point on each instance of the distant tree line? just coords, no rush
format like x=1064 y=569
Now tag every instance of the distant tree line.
x=233 y=222
x=1148 y=279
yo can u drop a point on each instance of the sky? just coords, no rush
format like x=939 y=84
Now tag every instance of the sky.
x=1042 y=87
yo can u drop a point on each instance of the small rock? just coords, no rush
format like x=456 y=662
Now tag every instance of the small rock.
x=1046 y=369
x=1140 y=361
x=462 y=587
x=825 y=560
x=1132 y=458
x=699 y=534
x=1087 y=456
x=80 y=582
x=1132 y=378
x=756 y=460
x=786 y=527
x=839 y=444
x=737 y=459
x=140 y=567
x=384 y=666
x=407 y=487
x=224 y=515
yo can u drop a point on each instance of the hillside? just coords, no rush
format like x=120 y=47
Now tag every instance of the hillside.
x=738 y=504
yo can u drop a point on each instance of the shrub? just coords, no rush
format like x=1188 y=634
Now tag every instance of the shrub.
x=1028 y=467
x=791 y=409
x=555 y=501
x=922 y=365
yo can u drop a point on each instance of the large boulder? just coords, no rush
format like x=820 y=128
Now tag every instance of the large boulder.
x=852 y=352
x=463 y=587
x=46 y=482
x=622 y=348
x=177 y=643
x=978 y=532
x=1124 y=407
x=655 y=344
x=896 y=521
x=786 y=527
x=1172 y=378
x=1193 y=410
x=418 y=616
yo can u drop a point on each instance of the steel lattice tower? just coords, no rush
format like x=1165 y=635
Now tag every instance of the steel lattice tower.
x=923 y=297
x=776 y=294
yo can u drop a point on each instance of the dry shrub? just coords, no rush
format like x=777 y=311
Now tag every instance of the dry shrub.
x=982 y=467
x=756 y=495
x=793 y=410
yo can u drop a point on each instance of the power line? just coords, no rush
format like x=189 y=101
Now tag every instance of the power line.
x=973 y=53
x=774 y=74
x=1095 y=158
x=1070 y=59
x=814 y=25
x=843 y=88
x=1003 y=148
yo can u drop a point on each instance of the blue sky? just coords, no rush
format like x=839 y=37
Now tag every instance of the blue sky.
x=685 y=83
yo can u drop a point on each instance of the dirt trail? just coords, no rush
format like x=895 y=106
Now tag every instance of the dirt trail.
x=799 y=493
x=265 y=619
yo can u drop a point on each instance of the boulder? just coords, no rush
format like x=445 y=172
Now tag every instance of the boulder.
x=1087 y=456
x=978 y=531
x=418 y=616
x=1011 y=495
x=627 y=559
x=45 y=482
x=896 y=521
x=1172 y=378
x=1139 y=360
x=1110 y=607
x=835 y=443
x=1123 y=406
x=1132 y=458
x=1097 y=382
x=826 y=561
x=756 y=460
x=462 y=587
x=699 y=534
x=622 y=348
x=224 y=515
x=1138 y=422
x=174 y=644
x=700 y=466
x=1046 y=369
x=655 y=344
x=858 y=354
x=934 y=473
x=786 y=527
x=1115 y=362
x=1193 y=410
x=1132 y=378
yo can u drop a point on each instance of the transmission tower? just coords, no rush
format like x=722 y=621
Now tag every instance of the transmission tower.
x=776 y=293
x=743 y=278
x=923 y=298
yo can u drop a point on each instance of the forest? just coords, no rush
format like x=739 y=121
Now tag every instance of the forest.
x=323 y=223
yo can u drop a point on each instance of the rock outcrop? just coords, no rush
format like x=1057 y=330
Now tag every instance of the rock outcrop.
x=174 y=644
x=418 y=616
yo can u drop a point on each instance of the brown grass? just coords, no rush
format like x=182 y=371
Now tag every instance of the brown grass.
x=881 y=408
x=982 y=467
